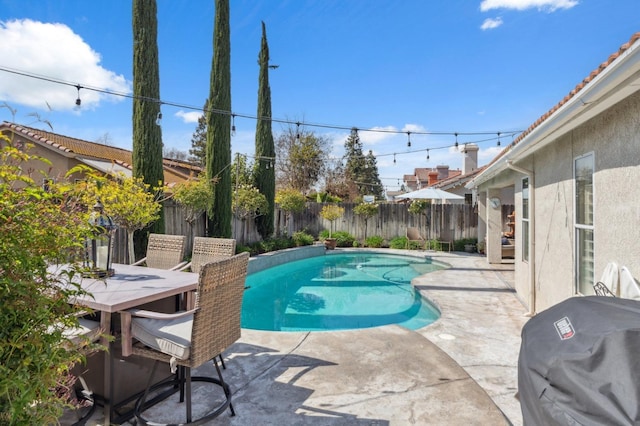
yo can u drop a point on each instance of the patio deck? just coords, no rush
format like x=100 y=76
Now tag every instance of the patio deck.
x=460 y=370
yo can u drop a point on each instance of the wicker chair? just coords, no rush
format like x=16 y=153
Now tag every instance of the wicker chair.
x=206 y=250
x=164 y=252
x=189 y=339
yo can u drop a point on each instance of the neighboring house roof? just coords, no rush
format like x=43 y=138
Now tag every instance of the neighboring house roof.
x=615 y=79
x=457 y=180
x=105 y=158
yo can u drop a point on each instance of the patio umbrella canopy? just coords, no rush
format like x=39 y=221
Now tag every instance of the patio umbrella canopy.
x=429 y=193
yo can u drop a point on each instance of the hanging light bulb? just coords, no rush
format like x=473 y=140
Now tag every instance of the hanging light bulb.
x=233 y=124
x=465 y=148
x=498 y=138
x=428 y=155
x=456 y=140
x=408 y=139
x=298 y=130
x=394 y=158
x=78 y=100
x=159 y=119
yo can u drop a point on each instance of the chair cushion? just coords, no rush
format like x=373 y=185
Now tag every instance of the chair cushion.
x=87 y=329
x=172 y=337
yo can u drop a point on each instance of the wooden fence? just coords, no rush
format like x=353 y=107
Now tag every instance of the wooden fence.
x=443 y=222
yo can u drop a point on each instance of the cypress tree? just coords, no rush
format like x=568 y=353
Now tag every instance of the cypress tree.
x=199 y=139
x=218 y=155
x=147 y=135
x=264 y=171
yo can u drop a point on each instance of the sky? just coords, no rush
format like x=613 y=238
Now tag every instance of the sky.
x=397 y=70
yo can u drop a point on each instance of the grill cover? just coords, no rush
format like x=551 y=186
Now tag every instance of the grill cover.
x=579 y=363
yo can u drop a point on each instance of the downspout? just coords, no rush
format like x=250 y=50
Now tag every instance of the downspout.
x=532 y=240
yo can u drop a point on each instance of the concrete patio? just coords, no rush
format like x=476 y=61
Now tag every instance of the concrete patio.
x=461 y=370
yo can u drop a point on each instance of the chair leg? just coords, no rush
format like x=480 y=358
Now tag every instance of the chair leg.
x=187 y=373
x=225 y=387
x=224 y=367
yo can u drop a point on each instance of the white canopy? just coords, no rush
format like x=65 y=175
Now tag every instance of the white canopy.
x=429 y=193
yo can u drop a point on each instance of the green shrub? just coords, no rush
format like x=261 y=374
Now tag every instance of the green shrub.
x=458 y=245
x=398 y=243
x=39 y=228
x=343 y=239
x=374 y=241
x=301 y=238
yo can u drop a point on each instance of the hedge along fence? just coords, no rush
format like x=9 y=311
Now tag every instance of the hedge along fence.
x=447 y=222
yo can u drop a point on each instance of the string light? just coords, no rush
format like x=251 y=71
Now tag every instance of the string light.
x=233 y=124
x=408 y=139
x=394 y=158
x=456 y=141
x=298 y=130
x=498 y=139
x=427 y=155
x=159 y=119
x=78 y=100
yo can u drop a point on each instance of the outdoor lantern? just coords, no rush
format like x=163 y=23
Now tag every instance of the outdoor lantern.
x=98 y=249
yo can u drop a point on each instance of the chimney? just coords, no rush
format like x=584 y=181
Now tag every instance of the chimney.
x=470 y=161
x=433 y=178
x=443 y=172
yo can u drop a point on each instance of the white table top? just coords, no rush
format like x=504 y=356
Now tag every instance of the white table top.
x=133 y=286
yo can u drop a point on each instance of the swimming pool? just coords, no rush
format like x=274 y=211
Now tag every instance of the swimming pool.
x=337 y=292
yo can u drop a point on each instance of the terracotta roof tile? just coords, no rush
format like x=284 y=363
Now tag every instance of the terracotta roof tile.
x=174 y=170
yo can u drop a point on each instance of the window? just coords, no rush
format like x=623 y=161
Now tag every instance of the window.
x=583 y=192
x=525 y=219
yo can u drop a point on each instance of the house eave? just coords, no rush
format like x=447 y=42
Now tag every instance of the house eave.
x=620 y=79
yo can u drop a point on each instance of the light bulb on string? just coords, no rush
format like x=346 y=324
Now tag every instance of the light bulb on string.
x=298 y=130
x=408 y=139
x=498 y=139
x=78 y=100
x=428 y=155
x=159 y=119
x=456 y=141
x=394 y=158
x=233 y=124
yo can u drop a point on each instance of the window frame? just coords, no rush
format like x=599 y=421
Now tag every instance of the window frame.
x=584 y=232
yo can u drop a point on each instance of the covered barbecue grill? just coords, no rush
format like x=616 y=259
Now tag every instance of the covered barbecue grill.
x=579 y=363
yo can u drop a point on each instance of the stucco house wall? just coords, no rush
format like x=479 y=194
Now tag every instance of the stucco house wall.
x=599 y=117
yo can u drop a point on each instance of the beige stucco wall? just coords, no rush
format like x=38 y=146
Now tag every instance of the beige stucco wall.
x=614 y=139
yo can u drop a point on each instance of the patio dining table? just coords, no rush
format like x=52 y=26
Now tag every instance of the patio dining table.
x=130 y=286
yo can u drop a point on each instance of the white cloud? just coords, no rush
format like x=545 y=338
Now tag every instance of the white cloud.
x=491 y=23
x=189 y=117
x=546 y=5
x=377 y=135
x=53 y=51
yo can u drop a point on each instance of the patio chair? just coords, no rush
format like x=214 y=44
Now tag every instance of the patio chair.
x=164 y=252
x=414 y=235
x=188 y=339
x=206 y=250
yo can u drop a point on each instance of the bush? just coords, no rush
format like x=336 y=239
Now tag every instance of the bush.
x=301 y=238
x=375 y=241
x=343 y=239
x=398 y=243
x=458 y=245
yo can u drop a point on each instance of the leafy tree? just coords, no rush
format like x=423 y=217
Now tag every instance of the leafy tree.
x=336 y=182
x=175 y=154
x=366 y=211
x=241 y=171
x=39 y=228
x=247 y=203
x=128 y=200
x=218 y=158
x=147 y=135
x=198 y=151
x=290 y=201
x=331 y=212
x=301 y=159
x=264 y=173
x=194 y=196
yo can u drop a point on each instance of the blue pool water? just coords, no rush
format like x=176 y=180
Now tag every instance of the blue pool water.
x=337 y=292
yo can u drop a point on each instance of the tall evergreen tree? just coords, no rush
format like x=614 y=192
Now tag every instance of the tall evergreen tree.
x=198 y=151
x=218 y=156
x=147 y=135
x=372 y=177
x=264 y=171
x=354 y=164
